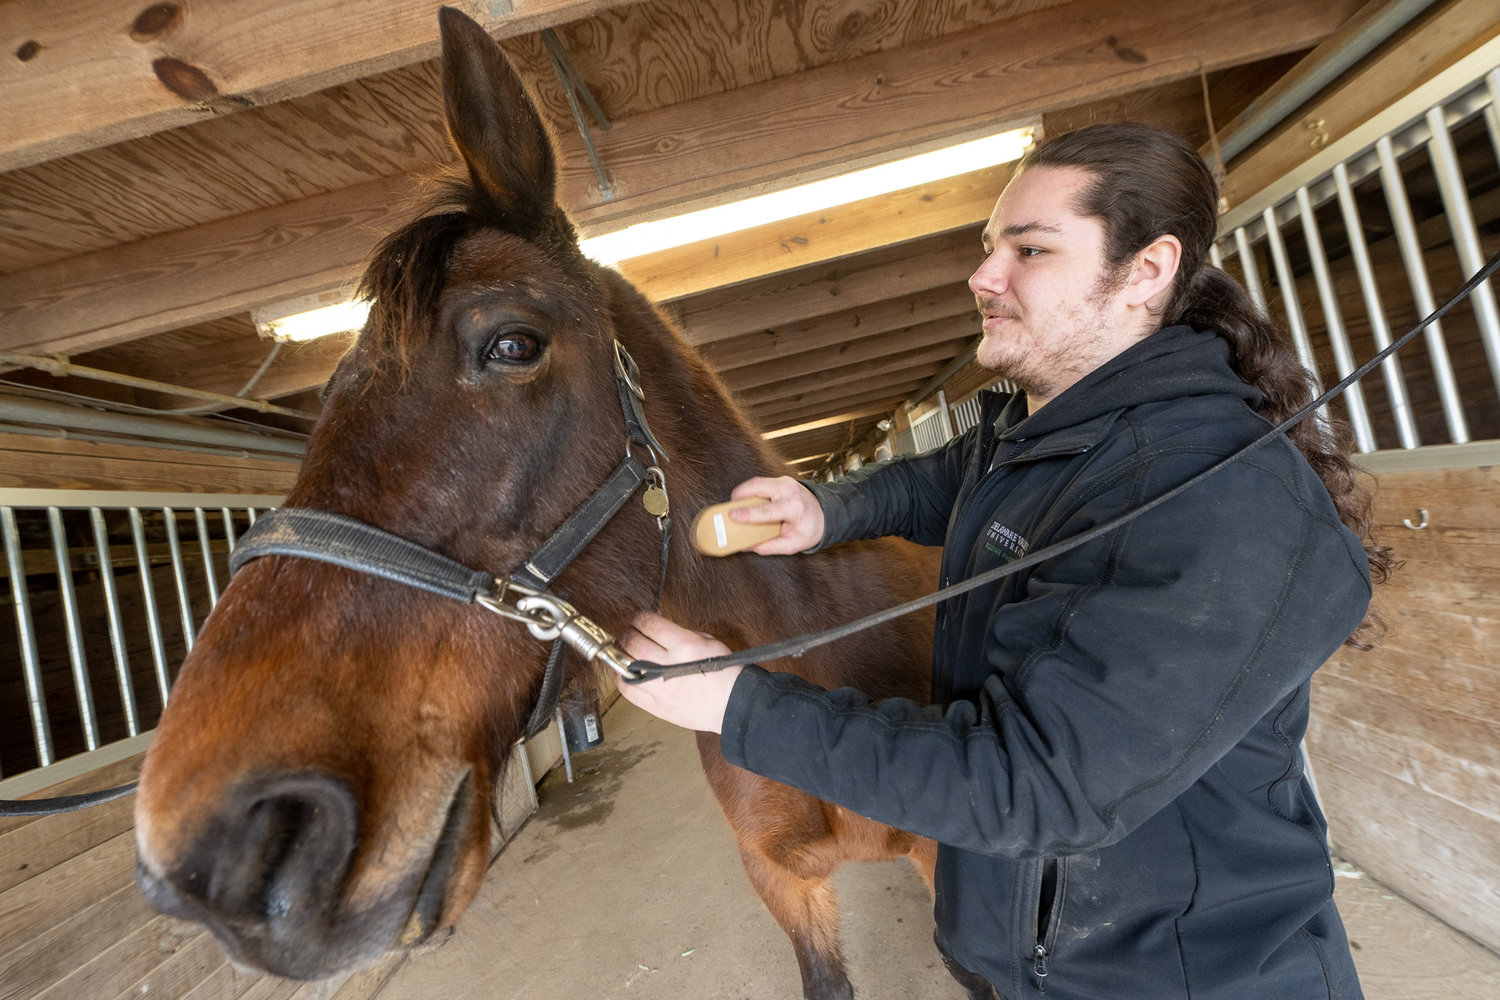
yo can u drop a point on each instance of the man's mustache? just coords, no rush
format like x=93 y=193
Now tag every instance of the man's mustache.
x=993 y=307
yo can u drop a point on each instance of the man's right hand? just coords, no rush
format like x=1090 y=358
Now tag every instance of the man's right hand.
x=791 y=503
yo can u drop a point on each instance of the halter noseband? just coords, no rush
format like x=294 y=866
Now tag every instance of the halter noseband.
x=523 y=595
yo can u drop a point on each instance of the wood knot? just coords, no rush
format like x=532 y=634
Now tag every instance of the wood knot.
x=184 y=79
x=1125 y=52
x=28 y=51
x=155 y=20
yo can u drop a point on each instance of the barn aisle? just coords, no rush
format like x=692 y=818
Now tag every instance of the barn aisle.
x=626 y=885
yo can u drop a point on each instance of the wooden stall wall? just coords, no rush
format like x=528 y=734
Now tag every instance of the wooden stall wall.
x=1405 y=738
x=73 y=925
x=35 y=462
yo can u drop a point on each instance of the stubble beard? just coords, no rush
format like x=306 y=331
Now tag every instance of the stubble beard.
x=1043 y=373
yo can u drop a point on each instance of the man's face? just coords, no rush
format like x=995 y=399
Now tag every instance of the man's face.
x=1051 y=312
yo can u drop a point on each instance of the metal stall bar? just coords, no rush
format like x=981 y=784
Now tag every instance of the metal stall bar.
x=148 y=594
x=36 y=697
x=1250 y=268
x=116 y=627
x=1333 y=320
x=179 y=577
x=250 y=513
x=74 y=628
x=1214 y=257
x=1288 y=283
x=1380 y=330
x=1465 y=236
x=1421 y=289
x=1492 y=109
x=206 y=544
x=228 y=527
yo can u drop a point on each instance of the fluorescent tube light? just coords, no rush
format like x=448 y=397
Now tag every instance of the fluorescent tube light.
x=313 y=316
x=649 y=237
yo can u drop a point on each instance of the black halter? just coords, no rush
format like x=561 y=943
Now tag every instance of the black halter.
x=354 y=544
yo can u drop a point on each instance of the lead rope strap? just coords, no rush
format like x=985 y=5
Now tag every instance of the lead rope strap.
x=665 y=524
x=552 y=683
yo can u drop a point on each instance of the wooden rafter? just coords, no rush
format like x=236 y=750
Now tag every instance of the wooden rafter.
x=806 y=125
x=86 y=73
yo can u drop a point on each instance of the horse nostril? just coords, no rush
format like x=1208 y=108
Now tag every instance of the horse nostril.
x=281 y=851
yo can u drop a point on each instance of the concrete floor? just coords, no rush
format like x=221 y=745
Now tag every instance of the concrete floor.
x=626 y=884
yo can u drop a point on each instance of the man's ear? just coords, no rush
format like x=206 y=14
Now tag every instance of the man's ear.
x=1152 y=272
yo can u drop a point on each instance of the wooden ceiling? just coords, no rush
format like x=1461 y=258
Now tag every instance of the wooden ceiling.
x=169 y=167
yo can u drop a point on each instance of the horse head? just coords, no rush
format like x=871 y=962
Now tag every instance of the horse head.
x=320 y=786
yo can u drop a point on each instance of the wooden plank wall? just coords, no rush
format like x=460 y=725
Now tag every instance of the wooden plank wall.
x=1405 y=739
x=62 y=463
x=73 y=925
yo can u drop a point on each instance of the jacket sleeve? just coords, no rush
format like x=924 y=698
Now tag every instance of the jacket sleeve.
x=1127 y=669
x=908 y=497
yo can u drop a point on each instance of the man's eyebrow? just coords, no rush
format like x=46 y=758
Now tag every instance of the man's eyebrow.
x=1025 y=228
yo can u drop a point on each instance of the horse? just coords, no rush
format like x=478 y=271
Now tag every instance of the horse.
x=320 y=787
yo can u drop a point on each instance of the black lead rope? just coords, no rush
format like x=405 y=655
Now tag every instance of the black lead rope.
x=62 y=803
x=801 y=644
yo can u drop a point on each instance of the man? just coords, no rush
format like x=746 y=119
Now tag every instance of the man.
x=1111 y=761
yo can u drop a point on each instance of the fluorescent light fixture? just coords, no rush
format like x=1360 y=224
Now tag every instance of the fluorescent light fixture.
x=311 y=316
x=649 y=237
x=324 y=313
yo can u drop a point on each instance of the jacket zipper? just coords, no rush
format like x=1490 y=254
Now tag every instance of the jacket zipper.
x=1048 y=917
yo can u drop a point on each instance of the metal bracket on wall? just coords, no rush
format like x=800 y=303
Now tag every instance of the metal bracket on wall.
x=574 y=89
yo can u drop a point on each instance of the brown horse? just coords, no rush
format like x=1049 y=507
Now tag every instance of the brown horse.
x=319 y=789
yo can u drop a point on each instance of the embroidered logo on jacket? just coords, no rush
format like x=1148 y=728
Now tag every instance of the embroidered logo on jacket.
x=1004 y=542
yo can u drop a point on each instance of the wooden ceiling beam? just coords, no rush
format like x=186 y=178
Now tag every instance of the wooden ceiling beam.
x=881 y=400
x=844 y=114
x=855 y=384
x=880 y=366
x=901 y=269
x=808 y=124
x=854 y=353
x=869 y=320
x=962 y=202
x=234 y=354
x=825 y=444
x=180 y=278
x=811 y=425
x=85 y=75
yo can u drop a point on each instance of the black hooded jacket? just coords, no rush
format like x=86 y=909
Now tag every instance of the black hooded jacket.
x=1111 y=763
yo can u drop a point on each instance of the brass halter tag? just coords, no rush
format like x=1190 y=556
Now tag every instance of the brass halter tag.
x=655 y=498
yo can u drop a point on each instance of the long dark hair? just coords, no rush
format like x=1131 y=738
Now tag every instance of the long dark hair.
x=1148 y=183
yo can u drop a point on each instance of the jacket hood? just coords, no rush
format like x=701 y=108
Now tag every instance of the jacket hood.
x=1173 y=362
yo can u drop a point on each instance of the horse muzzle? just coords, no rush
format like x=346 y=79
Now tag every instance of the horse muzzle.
x=272 y=875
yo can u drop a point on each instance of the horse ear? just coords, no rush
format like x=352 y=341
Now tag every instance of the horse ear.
x=494 y=124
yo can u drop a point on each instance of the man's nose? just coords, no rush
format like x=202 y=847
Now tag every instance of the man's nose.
x=989 y=278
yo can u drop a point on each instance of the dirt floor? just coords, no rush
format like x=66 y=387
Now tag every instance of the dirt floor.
x=626 y=884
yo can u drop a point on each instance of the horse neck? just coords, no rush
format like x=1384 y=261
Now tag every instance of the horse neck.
x=713 y=448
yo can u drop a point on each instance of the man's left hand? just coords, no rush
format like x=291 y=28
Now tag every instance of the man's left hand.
x=696 y=701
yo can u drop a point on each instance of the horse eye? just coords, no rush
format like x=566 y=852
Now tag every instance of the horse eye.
x=514 y=347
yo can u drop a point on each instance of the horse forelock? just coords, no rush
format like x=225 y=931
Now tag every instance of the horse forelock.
x=408 y=270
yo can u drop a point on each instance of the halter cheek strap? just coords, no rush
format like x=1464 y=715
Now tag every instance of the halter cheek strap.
x=324 y=536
